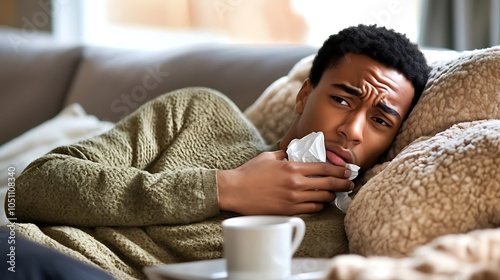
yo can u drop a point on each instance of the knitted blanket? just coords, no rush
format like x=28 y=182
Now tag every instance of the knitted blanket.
x=145 y=192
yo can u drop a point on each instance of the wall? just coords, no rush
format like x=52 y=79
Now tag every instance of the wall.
x=7 y=12
x=26 y=14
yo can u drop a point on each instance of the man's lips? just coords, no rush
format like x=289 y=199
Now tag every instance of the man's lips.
x=338 y=155
x=334 y=158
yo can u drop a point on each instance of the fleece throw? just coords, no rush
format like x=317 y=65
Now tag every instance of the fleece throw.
x=426 y=210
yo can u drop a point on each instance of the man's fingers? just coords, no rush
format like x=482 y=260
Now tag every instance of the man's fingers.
x=279 y=154
x=323 y=169
x=312 y=169
x=307 y=208
x=317 y=196
x=328 y=184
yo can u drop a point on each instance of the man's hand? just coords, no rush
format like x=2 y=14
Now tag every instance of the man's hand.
x=267 y=185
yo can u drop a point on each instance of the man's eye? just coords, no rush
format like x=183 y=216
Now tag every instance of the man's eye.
x=381 y=121
x=340 y=100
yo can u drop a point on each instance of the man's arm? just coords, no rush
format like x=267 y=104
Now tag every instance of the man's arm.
x=64 y=189
x=155 y=167
x=110 y=180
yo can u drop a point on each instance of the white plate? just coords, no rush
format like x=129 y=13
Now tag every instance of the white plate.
x=302 y=269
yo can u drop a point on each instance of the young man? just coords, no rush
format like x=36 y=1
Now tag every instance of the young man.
x=155 y=188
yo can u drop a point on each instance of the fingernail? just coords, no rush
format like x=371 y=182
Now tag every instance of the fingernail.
x=351 y=187
x=347 y=173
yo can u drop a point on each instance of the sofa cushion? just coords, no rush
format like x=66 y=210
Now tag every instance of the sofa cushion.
x=273 y=112
x=111 y=84
x=463 y=89
x=442 y=170
x=448 y=183
x=35 y=74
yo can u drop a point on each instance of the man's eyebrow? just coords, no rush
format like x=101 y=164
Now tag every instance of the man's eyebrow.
x=348 y=89
x=389 y=110
x=356 y=92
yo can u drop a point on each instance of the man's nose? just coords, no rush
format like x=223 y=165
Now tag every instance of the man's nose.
x=353 y=126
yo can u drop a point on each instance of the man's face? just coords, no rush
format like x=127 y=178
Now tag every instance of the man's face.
x=359 y=105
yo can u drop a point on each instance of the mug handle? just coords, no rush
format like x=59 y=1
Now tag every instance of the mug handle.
x=300 y=229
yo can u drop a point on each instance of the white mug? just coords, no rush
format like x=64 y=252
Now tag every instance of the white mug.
x=261 y=247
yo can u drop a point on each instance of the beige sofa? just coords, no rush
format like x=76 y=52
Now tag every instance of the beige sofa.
x=39 y=77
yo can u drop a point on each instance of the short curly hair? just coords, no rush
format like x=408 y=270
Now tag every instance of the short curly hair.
x=386 y=46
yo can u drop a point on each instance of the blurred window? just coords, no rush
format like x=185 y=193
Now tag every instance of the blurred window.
x=173 y=23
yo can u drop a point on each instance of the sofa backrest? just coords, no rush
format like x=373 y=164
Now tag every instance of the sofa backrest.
x=112 y=83
x=39 y=77
x=35 y=75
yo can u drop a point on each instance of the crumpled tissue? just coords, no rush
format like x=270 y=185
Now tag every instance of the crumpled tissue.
x=311 y=148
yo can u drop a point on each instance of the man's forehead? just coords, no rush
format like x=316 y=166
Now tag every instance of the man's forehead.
x=362 y=72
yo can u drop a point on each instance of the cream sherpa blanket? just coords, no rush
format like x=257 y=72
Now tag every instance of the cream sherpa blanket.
x=440 y=177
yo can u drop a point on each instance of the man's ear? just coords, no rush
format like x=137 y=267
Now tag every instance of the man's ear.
x=300 y=100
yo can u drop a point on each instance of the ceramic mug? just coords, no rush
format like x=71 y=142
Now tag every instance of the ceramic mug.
x=261 y=247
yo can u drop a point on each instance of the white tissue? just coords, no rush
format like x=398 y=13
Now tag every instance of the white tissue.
x=311 y=148
x=343 y=199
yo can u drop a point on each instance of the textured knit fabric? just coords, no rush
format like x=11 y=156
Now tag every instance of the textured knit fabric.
x=145 y=192
x=273 y=112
